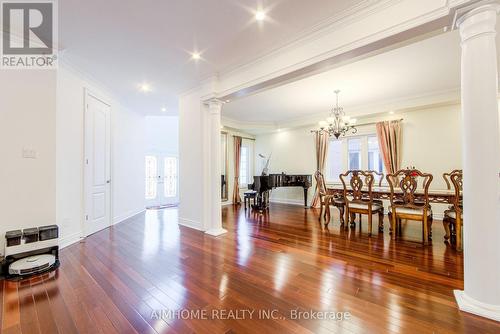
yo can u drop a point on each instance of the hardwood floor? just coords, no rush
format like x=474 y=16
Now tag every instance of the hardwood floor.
x=117 y=280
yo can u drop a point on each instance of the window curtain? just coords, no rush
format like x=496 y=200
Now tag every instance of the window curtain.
x=321 y=146
x=237 y=158
x=389 y=139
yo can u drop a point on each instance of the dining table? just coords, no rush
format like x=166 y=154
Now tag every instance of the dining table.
x=442 y=196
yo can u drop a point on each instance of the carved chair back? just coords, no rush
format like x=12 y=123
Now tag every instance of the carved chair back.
x=320 y=183
x=377 y=176
x=410 y=189
x=447 y=177
x=354 y=183
x=456 y=178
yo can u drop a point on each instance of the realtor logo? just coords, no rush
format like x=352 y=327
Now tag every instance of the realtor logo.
x=28 y=34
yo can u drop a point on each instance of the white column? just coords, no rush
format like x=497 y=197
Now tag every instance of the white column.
x=214 y=223
x=481 y=163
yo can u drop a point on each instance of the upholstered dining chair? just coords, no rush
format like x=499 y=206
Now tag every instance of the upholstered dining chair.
x=453 y=217
x=326 y=200
x=409 y=202
x=359 y=197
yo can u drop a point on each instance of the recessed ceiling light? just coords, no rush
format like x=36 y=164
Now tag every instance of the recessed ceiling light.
x=227 y=101
x=144 y=87
x=196 y=56
x=163 y=109
x=260 y=15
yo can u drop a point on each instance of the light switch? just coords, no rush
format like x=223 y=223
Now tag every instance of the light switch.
x=29 y=153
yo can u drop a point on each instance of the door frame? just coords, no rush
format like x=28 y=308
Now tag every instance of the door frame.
x=87 y=92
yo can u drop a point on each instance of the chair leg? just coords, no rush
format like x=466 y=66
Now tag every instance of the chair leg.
x=426 y=230
x=320 y=209
x=352 y=218
x=458 y=228
x=347 y=217
x=341 y=212
x=327 y=213
x=393 y=223
x=370 y=218
x=446 y=225
x=381 y=221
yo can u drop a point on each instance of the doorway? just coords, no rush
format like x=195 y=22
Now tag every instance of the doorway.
x=162 y=182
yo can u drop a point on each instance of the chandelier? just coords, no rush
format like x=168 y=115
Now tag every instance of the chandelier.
x=337 y=123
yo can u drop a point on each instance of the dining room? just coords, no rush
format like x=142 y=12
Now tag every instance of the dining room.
x=373 y=152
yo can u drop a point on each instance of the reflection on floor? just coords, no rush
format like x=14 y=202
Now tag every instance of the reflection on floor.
x=279 y=267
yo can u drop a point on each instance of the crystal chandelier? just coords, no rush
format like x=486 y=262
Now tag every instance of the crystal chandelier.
x=337 y=123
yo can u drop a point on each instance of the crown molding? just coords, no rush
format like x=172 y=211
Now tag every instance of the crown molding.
x=397 y=105
x=349 y=15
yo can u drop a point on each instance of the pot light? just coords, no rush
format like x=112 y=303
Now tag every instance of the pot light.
x=260 y=15
x=195 y=56
x=144 y=87
x=163 y=109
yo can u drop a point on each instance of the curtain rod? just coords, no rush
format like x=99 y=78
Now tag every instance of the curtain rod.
x=242 y=137
x=371 y=123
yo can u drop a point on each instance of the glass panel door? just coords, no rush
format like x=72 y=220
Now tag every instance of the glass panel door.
x=170 y=178
x=162 y=182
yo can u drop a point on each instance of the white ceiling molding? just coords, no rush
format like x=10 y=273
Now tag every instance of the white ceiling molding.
x=232 y=90
x=402 y=104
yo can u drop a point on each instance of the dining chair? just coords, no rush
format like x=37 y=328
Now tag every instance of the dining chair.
x=378 y=177
x=326 y=200
x=358 y=196
x=453 y=217
x=408 y=203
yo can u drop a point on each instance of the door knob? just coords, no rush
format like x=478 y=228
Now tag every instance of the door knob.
x=108 y=181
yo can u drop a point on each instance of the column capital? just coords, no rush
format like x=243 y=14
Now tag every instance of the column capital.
x=214 y=103
x=477 y=19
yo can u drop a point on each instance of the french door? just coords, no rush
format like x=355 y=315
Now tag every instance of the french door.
x=161 y=180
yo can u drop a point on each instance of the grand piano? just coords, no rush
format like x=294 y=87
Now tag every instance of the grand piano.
x=263 y=184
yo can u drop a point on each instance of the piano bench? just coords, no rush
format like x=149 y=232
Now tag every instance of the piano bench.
x=248 y=195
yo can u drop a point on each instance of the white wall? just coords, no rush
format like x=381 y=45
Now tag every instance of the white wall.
x=292 y=153
x=162 y=134
x=127 y=151
x=431 y=143
x=192 y=176
x=27 y=120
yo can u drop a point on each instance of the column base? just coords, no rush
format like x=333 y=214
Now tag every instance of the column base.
x=470 y=305
x=215 y=232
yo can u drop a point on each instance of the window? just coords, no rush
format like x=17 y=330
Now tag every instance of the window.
x=244 y=165
x=151 y=175
x=374 y=157
x=358 y=152
x=354 y=153
x=170 y=181
x=334 y=165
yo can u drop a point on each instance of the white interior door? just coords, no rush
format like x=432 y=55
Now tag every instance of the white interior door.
x=161 y=180
x=97 y=165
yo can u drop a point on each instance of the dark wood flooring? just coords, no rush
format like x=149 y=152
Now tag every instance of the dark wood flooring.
x=119 y=280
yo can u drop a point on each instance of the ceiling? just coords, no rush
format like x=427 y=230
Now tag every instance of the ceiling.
x=123 y=44
x=424 y=68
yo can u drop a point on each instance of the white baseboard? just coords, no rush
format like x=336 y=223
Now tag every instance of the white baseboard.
x=70 y=239
x=125 y=216
x=470 y=305
x=227 y=203
x=216 y=232
x=196 y=225
x=287 y=201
